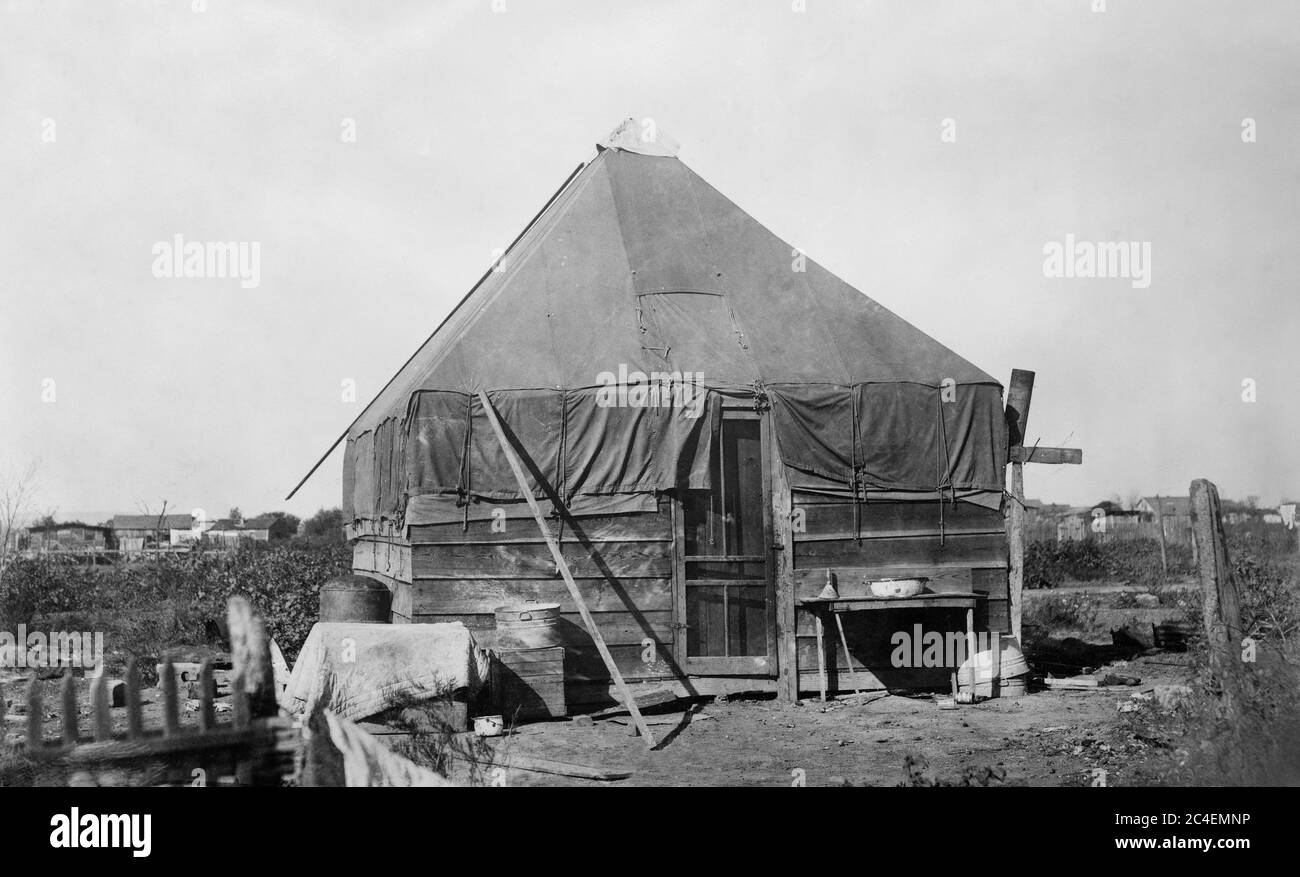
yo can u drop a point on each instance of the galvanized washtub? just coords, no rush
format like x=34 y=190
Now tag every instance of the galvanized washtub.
x=528 y=626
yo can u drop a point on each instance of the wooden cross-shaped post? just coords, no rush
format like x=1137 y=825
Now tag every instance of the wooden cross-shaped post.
x=1019 y=395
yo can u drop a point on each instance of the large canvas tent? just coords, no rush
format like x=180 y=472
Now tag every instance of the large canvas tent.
x=639 y=315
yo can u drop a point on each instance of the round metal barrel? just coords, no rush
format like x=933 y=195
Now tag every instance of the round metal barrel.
x=528 y=626
x=355 y=598
x=1014 y=687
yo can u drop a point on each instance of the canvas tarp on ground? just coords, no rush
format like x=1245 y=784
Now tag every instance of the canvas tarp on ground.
x=640 y=269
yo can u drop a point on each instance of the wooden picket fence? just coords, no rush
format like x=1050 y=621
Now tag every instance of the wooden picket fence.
x=257 y=747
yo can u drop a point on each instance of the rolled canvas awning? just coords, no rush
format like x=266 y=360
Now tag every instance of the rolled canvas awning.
x=641 y=276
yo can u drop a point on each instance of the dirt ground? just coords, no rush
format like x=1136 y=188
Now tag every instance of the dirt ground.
x=1044 y=738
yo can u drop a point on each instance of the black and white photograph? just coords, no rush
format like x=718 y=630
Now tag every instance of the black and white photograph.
x=678 y=394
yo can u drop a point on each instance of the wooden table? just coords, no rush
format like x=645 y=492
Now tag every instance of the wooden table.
x=837 y=606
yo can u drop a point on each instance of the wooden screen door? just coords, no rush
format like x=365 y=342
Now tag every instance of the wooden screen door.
x=725 y=592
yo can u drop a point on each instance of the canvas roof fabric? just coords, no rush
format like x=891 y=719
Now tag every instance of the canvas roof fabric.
x=640 y=273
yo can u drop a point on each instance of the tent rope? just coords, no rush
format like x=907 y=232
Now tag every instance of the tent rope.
x=562 y=476
x=857 y=509
x=945 y=482
x=466 y=473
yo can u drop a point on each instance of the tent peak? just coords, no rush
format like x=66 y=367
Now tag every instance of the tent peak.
x=642 y=136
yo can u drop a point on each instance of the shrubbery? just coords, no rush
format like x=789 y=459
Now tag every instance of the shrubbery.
x=1136 y=561
x=146 y=607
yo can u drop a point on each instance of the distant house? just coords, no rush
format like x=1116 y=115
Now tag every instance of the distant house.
x=68 y=536
x=137 y=532
x=227 y=533
x=1176 y=512
x=1036 y=509
x=1072 y=526
x=194 y=532
x=1082 y=522
x=1172 y=506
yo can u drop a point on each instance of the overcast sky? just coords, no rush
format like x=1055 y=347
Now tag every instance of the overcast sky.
x=124 y=125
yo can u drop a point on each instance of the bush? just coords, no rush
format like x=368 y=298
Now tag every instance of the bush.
x=152 y=605
x=1270 y=607
x=1136 y=561
x=1061 y=611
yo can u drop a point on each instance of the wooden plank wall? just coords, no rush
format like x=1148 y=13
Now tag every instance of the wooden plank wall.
x=388 y=559
x=968 y=551
x=623 y=565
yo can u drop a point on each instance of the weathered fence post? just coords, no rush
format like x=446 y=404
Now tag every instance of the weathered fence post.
x=68 y=698
x=207 y=714
x=1222 y=608
x=252 y=688
x=1160 y=521
x=250 y=656
x=134 y=716
x=35 y=715
x=171 y=703
x=99 y=702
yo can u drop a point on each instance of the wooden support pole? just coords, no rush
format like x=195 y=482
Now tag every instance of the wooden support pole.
x=783 y=569
x=1019 y=395
x=1016 y=549
x=1220 y=603
x=1040 y=454
x=821 y=655
x=844 y=641
x=517 y=468
x=972 y=649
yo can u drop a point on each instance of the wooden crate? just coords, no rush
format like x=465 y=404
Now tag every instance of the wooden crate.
x=529 y=683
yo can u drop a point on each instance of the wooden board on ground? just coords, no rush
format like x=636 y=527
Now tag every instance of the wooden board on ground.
x=564 y=768
x=658 y=697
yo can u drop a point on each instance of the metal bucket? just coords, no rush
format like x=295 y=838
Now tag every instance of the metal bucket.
x=355 y=598
x=528 y=626
x=1013 y=687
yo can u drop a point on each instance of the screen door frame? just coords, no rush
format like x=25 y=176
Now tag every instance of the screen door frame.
x=728 y=665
